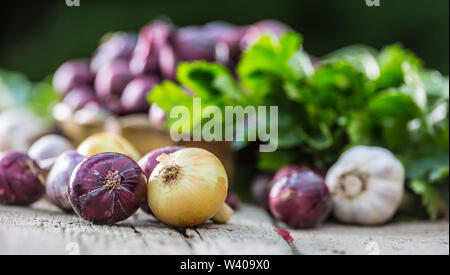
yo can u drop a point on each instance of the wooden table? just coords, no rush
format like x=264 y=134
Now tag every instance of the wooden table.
x=43 y=229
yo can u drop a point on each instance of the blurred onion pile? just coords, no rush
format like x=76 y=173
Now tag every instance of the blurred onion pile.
x=126 y=66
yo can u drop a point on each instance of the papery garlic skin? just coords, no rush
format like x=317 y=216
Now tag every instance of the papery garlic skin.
x=366 y=185
x=187 y=187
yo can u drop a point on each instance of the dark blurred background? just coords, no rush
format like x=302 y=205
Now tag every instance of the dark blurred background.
x=37 y=36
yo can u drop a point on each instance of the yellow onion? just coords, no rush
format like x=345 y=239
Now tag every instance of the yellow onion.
x=107 y=143
x=188 y=187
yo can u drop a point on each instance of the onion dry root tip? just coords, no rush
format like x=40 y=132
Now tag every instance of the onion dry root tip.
x=171 y=174
x=112 y=180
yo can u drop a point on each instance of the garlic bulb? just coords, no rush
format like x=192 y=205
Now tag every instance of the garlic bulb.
x=366 y=185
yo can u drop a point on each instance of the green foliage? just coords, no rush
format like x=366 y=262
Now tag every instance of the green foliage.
x=355 y=96
x=17 y=90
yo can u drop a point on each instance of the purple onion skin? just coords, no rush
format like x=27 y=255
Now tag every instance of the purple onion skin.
x=290 y=169
x=58 y=180
x=157 y=116
x=107 y=188
x=134 y=97
x=301 y=199
x=168 y=61
x=260 y=188
x=119 y=45
x=228 y=51
x=149 y=162
x=287 y=170
x=145 y=58
x=22 y=182
x=78 y=97
x=232 y=200
x=260 y=28
x=112 y=78
x=195 y=43
x=72 y=74
x=46 y=149
x=113 y=105
x=227 y=42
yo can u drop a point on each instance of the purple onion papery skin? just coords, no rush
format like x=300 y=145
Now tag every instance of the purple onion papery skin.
x=113 y=105
x=112 y=78
x=260 y=189
x=194 y=43
x=232 y=200
x=227 y=44
x=107 y=188
x=134 y=97
x=58 y=179
x=72 y=74
x=205 y=42
x=152 y=37
x=301 y=199
x=78 y=97
x=287 y=170
x=22 y=182
x=148 y=163
x=146 y=208
x=157 y=116
x=168 y=61
x=116 y=46
x=46 y=149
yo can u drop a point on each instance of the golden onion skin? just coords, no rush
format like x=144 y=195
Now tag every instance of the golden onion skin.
x=187 y=187
x=107 y=143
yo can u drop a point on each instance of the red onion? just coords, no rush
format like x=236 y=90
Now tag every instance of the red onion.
x=116 y=46
x=157 y=116
x=46 y=149
x=107 y=188
x=22 y=182
x=287 y=170
x=112 y=78
x=195 y=43
x=149 y=162
x=145 y=58
x=232 y=200
x=290 y=169
x=134 y=97
x=261 y=186
x=58 y=179
x=168 y=61
x=72 y=74
x=300 y=199
x=78 y=97
x=213 y=41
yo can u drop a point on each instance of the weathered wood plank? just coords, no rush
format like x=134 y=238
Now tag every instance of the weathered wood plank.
x=43 y=229
x=250 y=231
x=402 y=238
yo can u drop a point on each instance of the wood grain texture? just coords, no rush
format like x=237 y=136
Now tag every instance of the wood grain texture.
x=43 y=229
